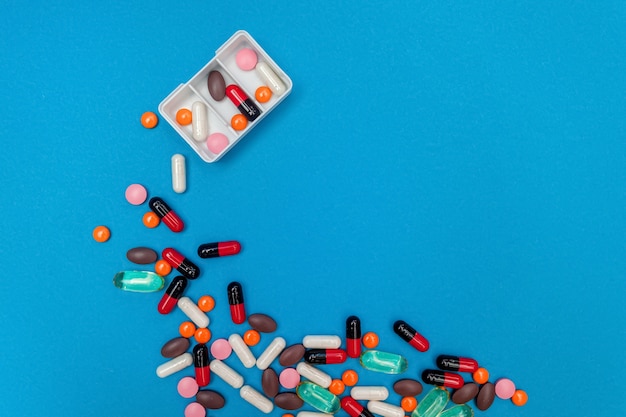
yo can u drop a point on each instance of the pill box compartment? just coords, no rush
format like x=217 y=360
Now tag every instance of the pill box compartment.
x=221 y=112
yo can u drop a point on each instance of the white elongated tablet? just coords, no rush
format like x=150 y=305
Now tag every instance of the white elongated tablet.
x=242 y=350
x=257 y=399
x=174 y=365
x=273 y=81
x=228 y=374
x=199 y=121
x=314 y=374
x=179 y=173
x=192 y=311
x=270 y=353
x=385 y=409
x=374 y=392
x=321 y=342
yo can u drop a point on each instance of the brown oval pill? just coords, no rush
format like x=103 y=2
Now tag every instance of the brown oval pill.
x=288 y=401
x=486 y=395
x=291 y=355
x=269 y=382
x=408 y=388
x=217 y=85
x=142 y=255
x=210 y=399
x=465 y=393
x=175 y=347
x=262 y=323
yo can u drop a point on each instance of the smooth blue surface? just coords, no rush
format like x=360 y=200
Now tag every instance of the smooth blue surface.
x=459 y=166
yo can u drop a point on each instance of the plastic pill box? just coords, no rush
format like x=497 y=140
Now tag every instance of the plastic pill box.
x=221 y=112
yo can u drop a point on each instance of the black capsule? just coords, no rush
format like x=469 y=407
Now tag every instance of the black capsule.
x=442 y=379
x=201 y=364
x=353 y=336
x=325 y=356
x=235 y=300
x=172 y=294
x=167 y=215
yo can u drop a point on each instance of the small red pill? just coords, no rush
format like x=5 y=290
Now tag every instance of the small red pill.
x=216 y=249
x=172 y=294
x=167 y=215
x=235 y=300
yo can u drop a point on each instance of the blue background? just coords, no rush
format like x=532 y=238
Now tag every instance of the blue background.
x=460 y=166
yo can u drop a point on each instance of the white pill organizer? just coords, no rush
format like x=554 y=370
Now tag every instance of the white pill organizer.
x=221 y=112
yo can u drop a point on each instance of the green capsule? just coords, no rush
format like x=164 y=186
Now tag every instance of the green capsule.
x=458 y=411
x=432 y=404
x=318 y=397
x=388 y=363
x=138 y=281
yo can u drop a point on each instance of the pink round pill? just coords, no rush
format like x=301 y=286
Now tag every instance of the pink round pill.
x=505 y=388
x=216 y=142
x=187 y=387
x=289 y=378
x=136 y=194
x=195 y=410
x=221 y=349
x=246 y=59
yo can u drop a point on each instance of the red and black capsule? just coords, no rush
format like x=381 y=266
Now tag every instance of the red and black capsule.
x=243 y=102
x=180 y=263
x=442 y=379
x=172 y=294
x=353 y=336
x=456 y=363
x=235 y=300
x=325 y=356
x=201 y=364
x=214 y=250
x=409 y=334
x=353 y=408
x=169 y=217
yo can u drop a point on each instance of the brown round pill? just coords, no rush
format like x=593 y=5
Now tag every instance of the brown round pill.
x=270 y=383
x=210 y=399
x=486 y=395
x=262 y=323
x=142 y=255
x=288 y=401
x=465 y=393
x=291 y=355
x=217 y=85
x=175 y=347
x=408 y=387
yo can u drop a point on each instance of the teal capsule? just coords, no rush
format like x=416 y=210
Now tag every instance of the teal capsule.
x=318 y=397
x=388 y=363
x=458 y=411
x=138 y=281
x=432 y=404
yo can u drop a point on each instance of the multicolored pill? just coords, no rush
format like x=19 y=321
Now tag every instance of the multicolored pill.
x=325 y=356
x=217 y=249
x=243 y=102
x=353 y=408
x=167 y=215
x=201 y=364
x=353 y=336
x=442 y=379
x=180 y=263
x=456 y=363
x=172 y=294
x=235 y=300
x=410 y=335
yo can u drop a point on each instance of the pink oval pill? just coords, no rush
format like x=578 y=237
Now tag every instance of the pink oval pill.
x=216 y=142
x=289 y=378
x=195 y=410
x=187 y=387
x=136 y=194
x=246 y=59
x=505 y=388
x=221 y=349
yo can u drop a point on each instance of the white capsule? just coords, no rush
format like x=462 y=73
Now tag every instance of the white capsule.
x=242 y=350
x=314 y=374
x=385 y=409
x=179 y=173
x=257 y=399
x=374 y=392
x=199 y=121
x=270 y=78
x=192 y=311
x=312 y=414
x=321 y=342
x=174 y=365
x=228 y=374
x=270 y=353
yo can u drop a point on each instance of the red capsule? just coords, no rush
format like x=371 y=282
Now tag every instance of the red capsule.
x=242 y=102
x=169 y=217
x=442 y=379
x=182 y=264
x=409 y=334
x=455 y=363
x=172 y=294
x=353 y=336
x=213 y=250
x=325 y=356
x=353 y=408
x=235 y=300
x=201 y=364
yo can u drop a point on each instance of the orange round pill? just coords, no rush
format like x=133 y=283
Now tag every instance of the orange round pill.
x=149 y=120
x=187 y=329
x=337 y=387
x=251 y=338
x=162 y=268
x=206 y=303
x=150 y=220
x=239 y=122
x=519 y=398
x=480 y=376
x=288 y=415
x=350 y=378
x=263 y=94
x=202 y=335
x=408 y=404
x=183 y=117
x=101 y=234
x=370 y=340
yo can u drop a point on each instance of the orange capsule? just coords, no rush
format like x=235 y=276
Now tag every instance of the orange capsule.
x=251 y=338
x=263 y=94
x=206 y=303
x=519 y=398
x=408 y=404
x=239 y=122
x=101 y=234
x=350 y=378
x=149 y=120
x=202 y=335
x=187 y=329
x=370 y=340
x=481 y=376
x=162 y=268
x=337 y=387
x=183 y=117
x=151 y=220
